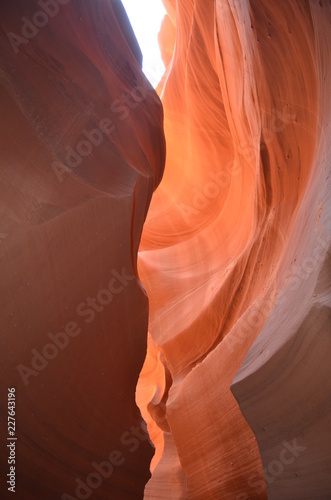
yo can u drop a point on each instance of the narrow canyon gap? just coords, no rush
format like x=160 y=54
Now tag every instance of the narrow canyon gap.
x=167 y=257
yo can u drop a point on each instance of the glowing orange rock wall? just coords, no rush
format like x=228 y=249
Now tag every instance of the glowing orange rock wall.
x=235 y=388
x=242 y=204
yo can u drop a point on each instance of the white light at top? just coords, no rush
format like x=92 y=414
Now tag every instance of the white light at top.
x=146 y=17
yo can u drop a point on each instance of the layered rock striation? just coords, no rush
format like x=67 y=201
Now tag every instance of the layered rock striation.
x=234 y=255
x=203 y=310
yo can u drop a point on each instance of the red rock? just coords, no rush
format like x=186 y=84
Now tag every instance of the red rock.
x=82 y=150
x=233 y=257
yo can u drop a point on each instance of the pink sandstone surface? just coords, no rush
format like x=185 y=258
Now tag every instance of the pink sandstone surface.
x=165 y=255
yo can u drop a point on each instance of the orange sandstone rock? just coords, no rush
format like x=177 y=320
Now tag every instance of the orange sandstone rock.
x=247 y=106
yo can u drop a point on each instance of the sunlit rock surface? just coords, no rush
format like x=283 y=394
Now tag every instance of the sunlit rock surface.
x=234 y=255
x=225 y=310
x=82 y=149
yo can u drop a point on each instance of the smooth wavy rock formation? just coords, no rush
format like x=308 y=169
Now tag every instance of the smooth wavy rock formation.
x=234 y=255
x=82 y=149
x=216 y=290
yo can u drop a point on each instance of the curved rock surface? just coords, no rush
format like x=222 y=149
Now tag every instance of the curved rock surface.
x=235 y=245
x=82 y=149
x=228 y=298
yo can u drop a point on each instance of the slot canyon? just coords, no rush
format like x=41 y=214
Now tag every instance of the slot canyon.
x=165 y=253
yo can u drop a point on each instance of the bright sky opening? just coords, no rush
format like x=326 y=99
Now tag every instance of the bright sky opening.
x=146 y=17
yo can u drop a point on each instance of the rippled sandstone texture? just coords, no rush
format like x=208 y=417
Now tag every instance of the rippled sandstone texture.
x=82 y=149
x=234 y=255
